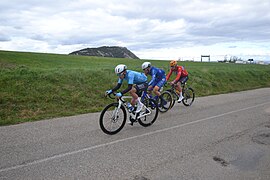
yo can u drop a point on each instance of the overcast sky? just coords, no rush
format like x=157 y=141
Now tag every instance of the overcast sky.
x=151 y=29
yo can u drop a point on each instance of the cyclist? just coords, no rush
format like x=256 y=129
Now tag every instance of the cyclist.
x=181 y=77
x=137 y=82
x=158 y=78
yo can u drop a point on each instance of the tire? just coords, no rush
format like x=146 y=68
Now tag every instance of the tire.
x=174 y=95
x=189 y=96
x=109 y=125
x=151 y=118
x=167 y=96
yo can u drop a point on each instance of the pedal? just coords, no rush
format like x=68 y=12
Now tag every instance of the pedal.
x=132 y=121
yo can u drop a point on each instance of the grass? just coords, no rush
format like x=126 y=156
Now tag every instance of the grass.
x=36 y=86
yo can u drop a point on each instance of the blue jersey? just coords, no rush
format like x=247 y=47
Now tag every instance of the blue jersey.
x=157 y=75
x=133 y=77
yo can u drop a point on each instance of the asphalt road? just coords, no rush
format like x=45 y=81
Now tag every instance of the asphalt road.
x=219 y=137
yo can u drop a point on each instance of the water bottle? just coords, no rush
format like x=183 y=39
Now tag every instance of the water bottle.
x=130 y=107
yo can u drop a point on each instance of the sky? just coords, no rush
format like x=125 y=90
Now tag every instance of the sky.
x=151 y=29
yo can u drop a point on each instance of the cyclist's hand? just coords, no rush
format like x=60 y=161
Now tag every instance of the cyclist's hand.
x=118 y=95
x=108 y=92
x=172 y=83
x=165 y=84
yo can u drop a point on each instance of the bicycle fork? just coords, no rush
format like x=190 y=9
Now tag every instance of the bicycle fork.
x=115 y=112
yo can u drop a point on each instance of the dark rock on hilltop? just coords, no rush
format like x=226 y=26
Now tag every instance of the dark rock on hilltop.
x=106 y=51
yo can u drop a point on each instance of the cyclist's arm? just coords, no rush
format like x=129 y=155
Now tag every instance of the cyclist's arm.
x=169 y=75
x=127 y=89
x=177 y=76
x=130 y=83
x=116 y=87
x=153 y=77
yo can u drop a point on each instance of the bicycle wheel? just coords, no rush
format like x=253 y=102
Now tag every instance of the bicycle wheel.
x=164 y=106
x=189 y=96
x=174 y=95
x=112 y=119
x=149 y=113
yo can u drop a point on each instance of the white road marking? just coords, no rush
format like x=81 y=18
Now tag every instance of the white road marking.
x=126 y=139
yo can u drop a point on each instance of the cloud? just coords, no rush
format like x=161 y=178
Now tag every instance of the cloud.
x=4 y=37
x=164 y=28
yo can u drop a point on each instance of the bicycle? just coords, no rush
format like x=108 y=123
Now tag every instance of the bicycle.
x=187 y=92
x=163 y=106
x=113 y=117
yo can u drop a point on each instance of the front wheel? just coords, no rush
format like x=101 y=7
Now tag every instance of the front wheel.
x=175 y=96
x=149 y=112
x=112 y=119
x=189 y=96
x=165 y=101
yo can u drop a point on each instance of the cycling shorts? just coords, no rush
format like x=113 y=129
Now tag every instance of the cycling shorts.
x=183 y=79
x=140 y=88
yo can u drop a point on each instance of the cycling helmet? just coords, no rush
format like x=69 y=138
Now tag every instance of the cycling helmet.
x=146 y=65
x=120 y=68
x=173 y=63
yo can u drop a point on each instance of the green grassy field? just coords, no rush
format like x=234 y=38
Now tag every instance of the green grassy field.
x=35 y=86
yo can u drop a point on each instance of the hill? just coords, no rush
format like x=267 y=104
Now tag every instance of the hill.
x=106 y=51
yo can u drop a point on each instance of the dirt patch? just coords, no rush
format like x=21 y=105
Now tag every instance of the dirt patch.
x=263 y=138
x=267 y=125
x=267 y=110
x=6 y=65
x=221 y=161
x=140 y=178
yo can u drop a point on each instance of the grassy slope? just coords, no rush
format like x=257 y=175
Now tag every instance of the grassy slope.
x=35 y=86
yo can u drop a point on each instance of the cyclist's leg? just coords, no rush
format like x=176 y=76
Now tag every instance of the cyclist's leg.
x=179 y=90
x=159 y=85
x=134 y=95
x=149 y=90
x=155 y=88
x=139 y=89
x=178 y=87
x=182 y=80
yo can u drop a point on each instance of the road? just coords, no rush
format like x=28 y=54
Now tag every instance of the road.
x=219 y=137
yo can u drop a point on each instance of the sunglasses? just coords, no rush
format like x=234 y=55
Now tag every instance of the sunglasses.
x=120 y=74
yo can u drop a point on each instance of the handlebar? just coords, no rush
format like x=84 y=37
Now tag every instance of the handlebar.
x=113 y=96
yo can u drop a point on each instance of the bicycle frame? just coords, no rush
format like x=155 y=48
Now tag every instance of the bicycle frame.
x=145 y=95
x=134 y=116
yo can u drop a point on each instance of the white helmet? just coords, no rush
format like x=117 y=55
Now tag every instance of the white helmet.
x=146 y=65
x=120 y=68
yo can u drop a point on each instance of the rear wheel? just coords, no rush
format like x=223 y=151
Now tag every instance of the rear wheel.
x=112 y=119
x=189 y=96
x=149 y=113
